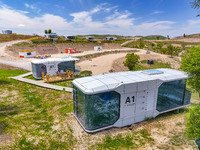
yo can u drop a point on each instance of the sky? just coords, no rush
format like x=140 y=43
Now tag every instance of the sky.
x=81 y=17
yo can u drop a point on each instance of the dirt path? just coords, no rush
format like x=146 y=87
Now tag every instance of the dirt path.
x=3 y=53
x=100 y=64
x=114 y=62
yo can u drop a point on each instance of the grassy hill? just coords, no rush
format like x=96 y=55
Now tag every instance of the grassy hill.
x=97 y=36
x=197 y=35
x=13 y=37
x=153 y=37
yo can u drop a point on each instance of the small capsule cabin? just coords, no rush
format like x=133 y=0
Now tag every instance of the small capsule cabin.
x=123 y=98
x=51 y=66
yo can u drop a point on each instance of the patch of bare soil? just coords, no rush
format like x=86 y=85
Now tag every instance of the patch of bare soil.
x=102 y=64
x=4 y=66
x=191 y=40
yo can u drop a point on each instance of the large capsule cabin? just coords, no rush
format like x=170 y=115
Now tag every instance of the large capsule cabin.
x=123 y=98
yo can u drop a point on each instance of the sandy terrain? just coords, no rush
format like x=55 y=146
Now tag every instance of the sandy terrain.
x=114 y=62
x=192 y=40
x=100 y=64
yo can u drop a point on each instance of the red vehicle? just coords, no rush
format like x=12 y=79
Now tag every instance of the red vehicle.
x=70 y=50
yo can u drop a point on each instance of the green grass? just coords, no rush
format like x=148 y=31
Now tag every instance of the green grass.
x=130 y=141
x=115 y=41
x=28 y=114
x=153 y=37
x=67 y=83
x=11 y=37
x=97 y=36
x=157 y=64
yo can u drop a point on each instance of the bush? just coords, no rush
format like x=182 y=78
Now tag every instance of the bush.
x=193 y=122
x=86 y=73
x=132 y=61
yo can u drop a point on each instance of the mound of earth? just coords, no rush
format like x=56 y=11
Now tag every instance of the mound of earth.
x=14 y=50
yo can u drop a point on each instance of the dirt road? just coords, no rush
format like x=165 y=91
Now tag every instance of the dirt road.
x=9 y=60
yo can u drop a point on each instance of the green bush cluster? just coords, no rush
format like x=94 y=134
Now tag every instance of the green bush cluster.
x=132 y=61
x=193 y=122
x=156 y=47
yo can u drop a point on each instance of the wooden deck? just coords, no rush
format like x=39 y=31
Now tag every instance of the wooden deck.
x=40 y=83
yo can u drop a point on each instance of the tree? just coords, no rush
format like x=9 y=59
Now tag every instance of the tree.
x=177 y=50
x=45 y=31
x=184 y=35
x=183 y=45
x=49 y=31
x=141 y=43
x=170 y=49
x=191 y=64
x=167 y=36
x=196 y=5
x=159 y=45
x=193 y=122
x=132 y=61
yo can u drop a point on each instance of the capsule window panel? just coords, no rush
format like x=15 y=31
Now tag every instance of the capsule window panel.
x=171 y=95
x=98 y=110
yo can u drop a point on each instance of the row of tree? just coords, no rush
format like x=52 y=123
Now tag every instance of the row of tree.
x=48 y=31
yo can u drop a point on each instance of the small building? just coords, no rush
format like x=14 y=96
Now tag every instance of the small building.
x=98 y=48
x=90 y=38
x=51 y=36
x=6 y=31
x=70 y=50
x=27 y=53
x=52 y=66
x=71 y=38
x=124 y=98
x=111 y=38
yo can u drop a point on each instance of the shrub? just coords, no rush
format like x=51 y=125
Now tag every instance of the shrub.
x=193 y=122
x=132 y=61
x=86 y=73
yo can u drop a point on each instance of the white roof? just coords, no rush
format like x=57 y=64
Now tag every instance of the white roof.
x=110 y=81
x=62 y=59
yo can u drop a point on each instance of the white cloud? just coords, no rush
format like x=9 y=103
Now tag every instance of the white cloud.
x=83 y=23
x=33 y=7
x=152 y=28
x=157 y=12
x=21 y=25
x=191 y=27
x=194 y=22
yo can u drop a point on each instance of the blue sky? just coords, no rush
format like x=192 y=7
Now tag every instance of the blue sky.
x=122 y=17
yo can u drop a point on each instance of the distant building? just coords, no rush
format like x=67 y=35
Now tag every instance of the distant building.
x=51 y=36
x=6 y=31
x=71 y=38
x=27 y=53
x=111 y=38
x=90 y=38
